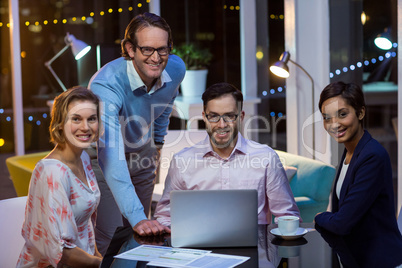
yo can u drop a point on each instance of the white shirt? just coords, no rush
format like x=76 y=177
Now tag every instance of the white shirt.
x=341 y=179
x=136 y=81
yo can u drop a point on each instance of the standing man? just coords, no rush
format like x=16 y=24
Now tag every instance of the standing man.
x=226 y=160
x=137 y=92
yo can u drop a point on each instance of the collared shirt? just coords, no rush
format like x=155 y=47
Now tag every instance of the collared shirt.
x=130 y=118
x=136 y=81
x=250 y=166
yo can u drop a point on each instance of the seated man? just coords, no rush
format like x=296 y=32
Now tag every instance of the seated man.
x=226 y=160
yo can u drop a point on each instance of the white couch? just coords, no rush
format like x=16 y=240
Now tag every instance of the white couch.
x=175 y=141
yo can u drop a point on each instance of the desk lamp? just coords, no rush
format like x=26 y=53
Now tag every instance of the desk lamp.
x=79 y=49
x=281 y=69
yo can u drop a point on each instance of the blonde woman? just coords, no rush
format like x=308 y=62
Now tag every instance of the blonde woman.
x=63 y=192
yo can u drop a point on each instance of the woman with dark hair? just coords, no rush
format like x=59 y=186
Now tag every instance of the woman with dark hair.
x=363 y=212
x=63 y=192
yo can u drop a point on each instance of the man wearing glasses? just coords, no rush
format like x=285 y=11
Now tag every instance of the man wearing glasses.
x=137 y=93
x=226 y=160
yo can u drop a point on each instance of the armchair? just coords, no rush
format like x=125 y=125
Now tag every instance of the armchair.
x=311 y=184
x=20 y=168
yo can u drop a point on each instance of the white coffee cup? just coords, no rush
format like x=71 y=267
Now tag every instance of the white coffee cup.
x=288 y=225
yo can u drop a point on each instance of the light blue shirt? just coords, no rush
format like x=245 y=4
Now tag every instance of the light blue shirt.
x=130 y=118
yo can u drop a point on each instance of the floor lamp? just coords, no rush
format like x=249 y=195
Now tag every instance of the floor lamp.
x=79 y=49
x=281 y=69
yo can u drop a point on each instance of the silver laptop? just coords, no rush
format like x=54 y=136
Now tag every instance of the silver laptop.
x=214 y=218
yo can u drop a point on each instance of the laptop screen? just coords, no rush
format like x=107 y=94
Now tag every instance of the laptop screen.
x=214 y=218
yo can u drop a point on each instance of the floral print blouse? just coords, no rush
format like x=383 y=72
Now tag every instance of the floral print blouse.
x=60 y=212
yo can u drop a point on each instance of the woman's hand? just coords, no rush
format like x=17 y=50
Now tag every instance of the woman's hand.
x=76 y=257
x=316 y=216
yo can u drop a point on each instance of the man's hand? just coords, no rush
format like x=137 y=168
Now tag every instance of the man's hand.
x=150 y=227
x=158 y=240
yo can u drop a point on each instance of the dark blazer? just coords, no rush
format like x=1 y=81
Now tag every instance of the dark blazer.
x=364 y=215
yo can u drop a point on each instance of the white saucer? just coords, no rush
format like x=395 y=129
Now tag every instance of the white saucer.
x=299 y=233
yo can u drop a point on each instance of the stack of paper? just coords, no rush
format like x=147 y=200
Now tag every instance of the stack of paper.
x=181 y=257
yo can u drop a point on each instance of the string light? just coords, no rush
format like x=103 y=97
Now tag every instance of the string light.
x=83 y=18
x=30 y=118
x=276 y=17
x=140 y=5
x=237 y=8
x=359 y=64
x=273 y=91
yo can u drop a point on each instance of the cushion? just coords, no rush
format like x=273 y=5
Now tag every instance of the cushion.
x=290 y=172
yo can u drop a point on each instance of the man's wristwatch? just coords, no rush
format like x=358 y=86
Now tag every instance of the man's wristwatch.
x=159 y=144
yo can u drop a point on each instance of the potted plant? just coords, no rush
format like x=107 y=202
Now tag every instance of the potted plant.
x=197 y=61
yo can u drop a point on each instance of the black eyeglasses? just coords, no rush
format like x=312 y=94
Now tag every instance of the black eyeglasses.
x=148 y=51
x=228 y=118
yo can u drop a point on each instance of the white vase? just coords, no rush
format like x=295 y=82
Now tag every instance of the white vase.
x=194 y=83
